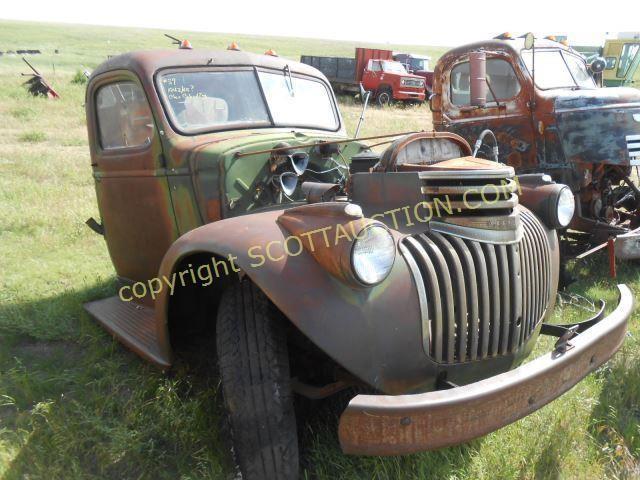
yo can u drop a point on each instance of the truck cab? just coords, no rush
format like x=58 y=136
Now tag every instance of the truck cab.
x=549 y=117
x=237 y=212
x=390 y=81
x=417 y=65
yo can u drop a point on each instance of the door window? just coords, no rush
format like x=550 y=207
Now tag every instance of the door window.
x=500 y=76
x=375 y=66
x=124 y=116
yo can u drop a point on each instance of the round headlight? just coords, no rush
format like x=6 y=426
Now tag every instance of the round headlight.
x=566 y=207
x=373 y=254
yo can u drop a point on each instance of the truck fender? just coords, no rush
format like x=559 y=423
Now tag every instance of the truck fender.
x=350 y=323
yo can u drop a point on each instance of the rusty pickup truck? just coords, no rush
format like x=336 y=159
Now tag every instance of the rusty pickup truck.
x=232 y=200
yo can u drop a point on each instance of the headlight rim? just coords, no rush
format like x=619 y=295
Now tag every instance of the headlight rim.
x=354 y=272
x=556 y=213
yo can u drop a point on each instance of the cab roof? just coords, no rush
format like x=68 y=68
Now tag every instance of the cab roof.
x=515 y=45
x=146 y=62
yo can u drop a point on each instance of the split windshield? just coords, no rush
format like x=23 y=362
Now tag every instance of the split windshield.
x=557 y=69
x=218 y=100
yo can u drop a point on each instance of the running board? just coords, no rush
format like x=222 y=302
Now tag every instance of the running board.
x=132 y=324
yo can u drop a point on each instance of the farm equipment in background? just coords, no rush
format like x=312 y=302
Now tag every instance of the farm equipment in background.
x=417 y=65
x=622 y=60
x=549 y=117
x=37 y=85
x=386 y=79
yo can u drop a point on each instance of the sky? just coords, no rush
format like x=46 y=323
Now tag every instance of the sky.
x=411 y=22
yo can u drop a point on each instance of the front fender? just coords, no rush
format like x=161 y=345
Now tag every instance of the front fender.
x=375 y=333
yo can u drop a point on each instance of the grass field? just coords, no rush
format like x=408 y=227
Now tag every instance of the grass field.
x=75 y=404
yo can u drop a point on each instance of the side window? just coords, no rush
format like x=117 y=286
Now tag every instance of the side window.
x=500 y=76
x=460 y=91
x=124 y=116
x=375 y=66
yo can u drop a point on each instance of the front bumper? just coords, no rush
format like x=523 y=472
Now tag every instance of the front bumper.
x=393 y=425
x=417 y=95
x=627 y=246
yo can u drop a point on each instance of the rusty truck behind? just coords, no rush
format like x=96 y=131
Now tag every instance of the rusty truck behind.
x=548 y=116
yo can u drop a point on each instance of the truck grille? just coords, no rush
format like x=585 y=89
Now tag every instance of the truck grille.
x=452 y=192
x=479 y=300
x=412 y=82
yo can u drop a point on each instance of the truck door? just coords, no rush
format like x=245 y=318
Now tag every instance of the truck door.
x=371 y=75
x=130 y=178
x=506 y=112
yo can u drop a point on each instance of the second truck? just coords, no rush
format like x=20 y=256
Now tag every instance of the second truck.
x=377 y=72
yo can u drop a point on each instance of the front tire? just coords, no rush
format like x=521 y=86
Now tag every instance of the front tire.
x=384 y=98
x=254 y=367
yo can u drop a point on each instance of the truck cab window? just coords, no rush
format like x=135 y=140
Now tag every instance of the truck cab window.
x=124 y=116
x=375 y=66
x=629 y=52
x=500 y=75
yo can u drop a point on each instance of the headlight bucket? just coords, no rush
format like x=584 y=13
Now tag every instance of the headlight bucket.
x=554 y=203
x=329 y=232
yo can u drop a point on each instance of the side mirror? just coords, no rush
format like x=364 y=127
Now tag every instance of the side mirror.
x=364 y=94
x=598 y=65
x=478 y=78
x=529 y=40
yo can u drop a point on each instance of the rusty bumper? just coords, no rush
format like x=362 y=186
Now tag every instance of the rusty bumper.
x=394 y=425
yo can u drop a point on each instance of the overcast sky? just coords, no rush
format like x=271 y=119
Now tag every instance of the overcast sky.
x=448 y=22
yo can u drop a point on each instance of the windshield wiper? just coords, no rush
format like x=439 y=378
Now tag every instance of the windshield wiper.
x=287 y=74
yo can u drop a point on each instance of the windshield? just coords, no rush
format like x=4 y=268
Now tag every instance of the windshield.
x=556 y=69
x=418 y=64
x=215 y=100
x=393 y=67
x=298 y=101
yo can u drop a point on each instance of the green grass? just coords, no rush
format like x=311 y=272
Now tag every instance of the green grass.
x=32 y=137
x=75 y=404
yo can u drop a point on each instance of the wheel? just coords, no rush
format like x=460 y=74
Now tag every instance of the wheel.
x=254 y=367
x=384 y=97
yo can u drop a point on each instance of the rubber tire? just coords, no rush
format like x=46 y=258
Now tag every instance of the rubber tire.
x=384 y=98
x=254 y=368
